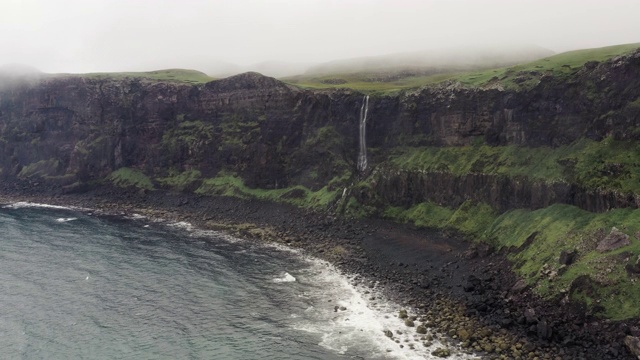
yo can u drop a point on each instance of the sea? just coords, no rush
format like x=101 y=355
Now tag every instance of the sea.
x=77 y=285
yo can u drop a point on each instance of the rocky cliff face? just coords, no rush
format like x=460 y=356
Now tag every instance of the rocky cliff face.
x=595 y=102
x=69 y=132
x=406 y=188
x=81 y=129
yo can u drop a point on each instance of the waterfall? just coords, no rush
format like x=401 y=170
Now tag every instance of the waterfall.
x=362 y=155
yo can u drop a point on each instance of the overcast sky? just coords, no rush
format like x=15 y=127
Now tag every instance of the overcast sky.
x=119 y=35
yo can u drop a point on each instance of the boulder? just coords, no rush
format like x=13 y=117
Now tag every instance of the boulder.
x=530 y=316
x=615 y=240
x=518 y=287
x=544 y=330
x=633 y=344
x=441 y=352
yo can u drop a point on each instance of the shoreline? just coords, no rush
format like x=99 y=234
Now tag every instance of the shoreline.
x=463 y=291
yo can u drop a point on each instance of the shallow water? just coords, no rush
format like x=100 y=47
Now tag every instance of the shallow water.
x=74 y=285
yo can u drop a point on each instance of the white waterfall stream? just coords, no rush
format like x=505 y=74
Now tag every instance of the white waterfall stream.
x=362 y=154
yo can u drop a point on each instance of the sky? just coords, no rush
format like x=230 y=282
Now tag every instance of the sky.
x=135 y=35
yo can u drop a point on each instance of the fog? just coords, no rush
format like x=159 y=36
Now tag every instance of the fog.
x=136 y=35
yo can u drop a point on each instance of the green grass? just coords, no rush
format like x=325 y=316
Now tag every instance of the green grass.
x=181 y=181
x=527 y=75
x=470 y=218
x=513 y=77
x=228 y=184
x=609 y=164
x=427 y=215
x=363 y=82
x=127 y=177
x=42 y=168
x=168 y=75
x=190 y=136
x=564 y=227
x=559 y=227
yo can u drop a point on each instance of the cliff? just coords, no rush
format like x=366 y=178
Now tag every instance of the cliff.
x=531 y=140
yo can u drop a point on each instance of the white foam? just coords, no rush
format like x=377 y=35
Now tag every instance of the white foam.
x=135 y=217
x=351 y=322
x=26 y=204
x=285 y=278
x=65 y=219
x=182 y=225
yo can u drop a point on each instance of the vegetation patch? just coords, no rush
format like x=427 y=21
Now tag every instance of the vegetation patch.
x=181 y=181
x=369 y=82
x=42 y=168
x=522 y=76
x=567 y=228
x=528 y=75
x=188 y=139
x=168 y=75
x=551 y=231
x=229 y=184
x=128 y=177
x=607 y=164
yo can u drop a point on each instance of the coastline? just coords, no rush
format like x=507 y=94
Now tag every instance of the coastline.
x=464 y=291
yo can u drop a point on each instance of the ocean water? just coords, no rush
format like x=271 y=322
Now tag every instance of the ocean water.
x=78 y=286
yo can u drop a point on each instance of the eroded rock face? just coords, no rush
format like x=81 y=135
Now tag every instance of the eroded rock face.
x=250 y=124
x=408 y=187
x=64 y=131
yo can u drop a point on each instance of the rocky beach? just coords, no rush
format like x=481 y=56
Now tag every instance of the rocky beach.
x=448 y=284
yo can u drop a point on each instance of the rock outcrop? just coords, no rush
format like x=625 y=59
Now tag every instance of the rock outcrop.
x=67 y=133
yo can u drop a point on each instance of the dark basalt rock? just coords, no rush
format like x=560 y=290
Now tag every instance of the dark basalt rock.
x=567 y=257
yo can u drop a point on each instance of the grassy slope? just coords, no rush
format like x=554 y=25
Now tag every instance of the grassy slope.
x=519 y=76
x=607 y=164
x=561 y=65
x=560 y=227
x=362 y=82
x=168 y=75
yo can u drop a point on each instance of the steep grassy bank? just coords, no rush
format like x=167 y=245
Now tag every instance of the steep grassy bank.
x=535 y=240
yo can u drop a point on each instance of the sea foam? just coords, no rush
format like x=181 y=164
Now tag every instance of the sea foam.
x=348 y=318
x=26 y=204
x=285 y=278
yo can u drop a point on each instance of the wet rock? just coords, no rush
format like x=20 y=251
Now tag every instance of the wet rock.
x=409 y=322
x=616 y=239
x=441 y=352
x=543 y=329
x=421 y=329
x=403 y=314
x=518 y=287
x=472 y=284
x=388 y=333
x=463 y=334
x=633 y=344
x=530 y=316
